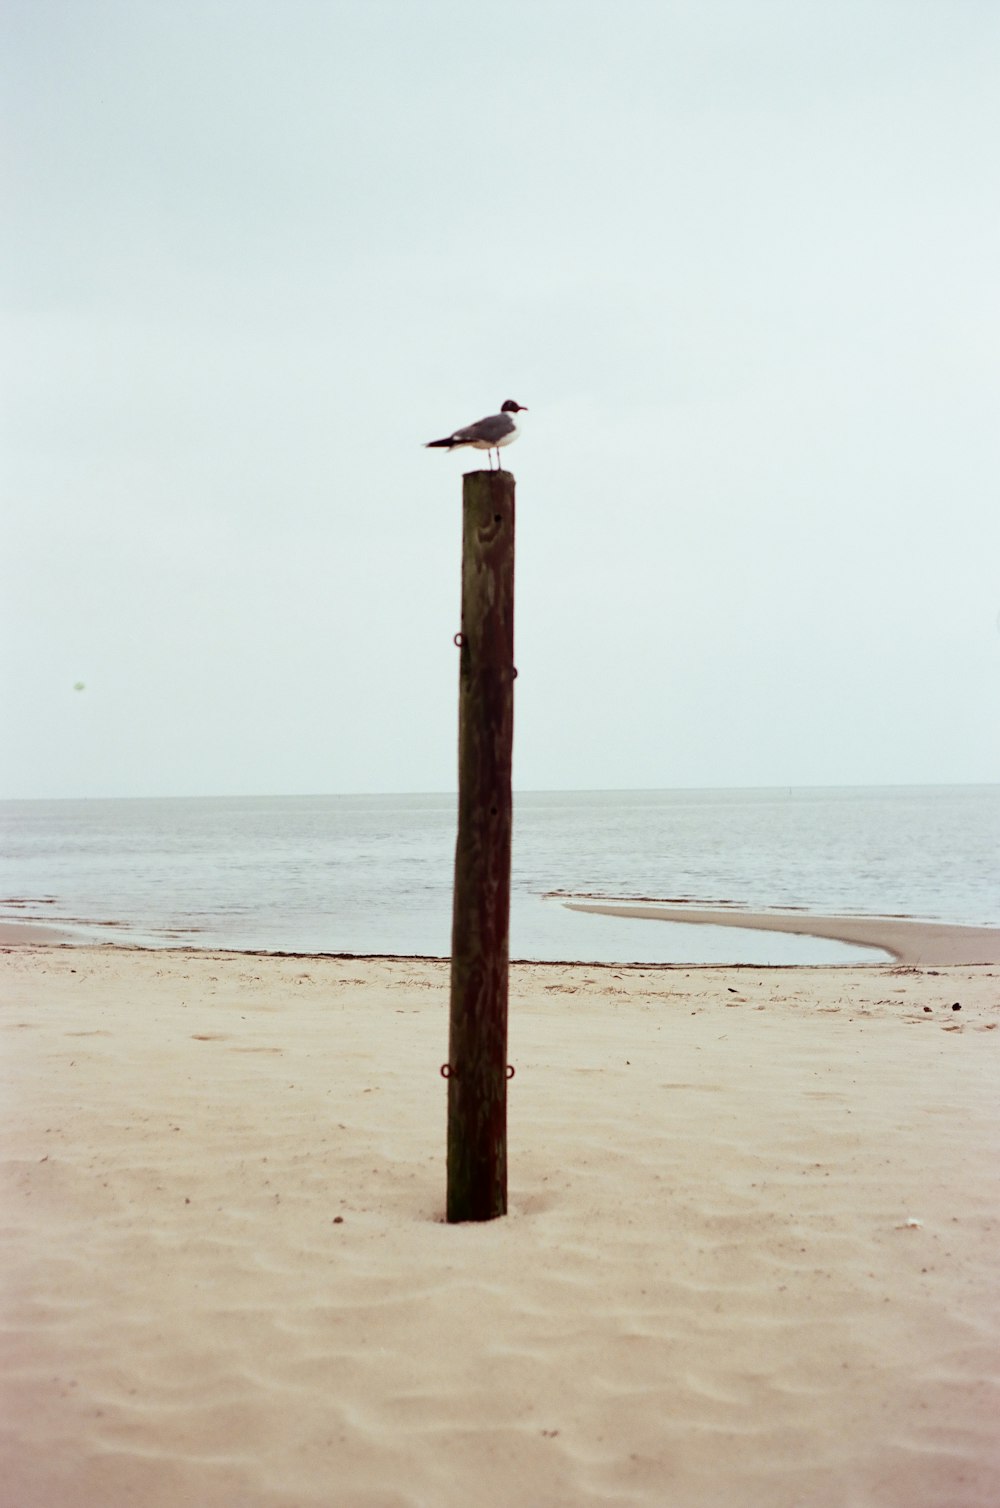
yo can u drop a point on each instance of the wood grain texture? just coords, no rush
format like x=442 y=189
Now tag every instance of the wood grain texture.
x=477 y=1054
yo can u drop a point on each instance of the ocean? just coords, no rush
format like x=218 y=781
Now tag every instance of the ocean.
x=373 y=874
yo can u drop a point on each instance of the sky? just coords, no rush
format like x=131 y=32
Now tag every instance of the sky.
x=737 y=257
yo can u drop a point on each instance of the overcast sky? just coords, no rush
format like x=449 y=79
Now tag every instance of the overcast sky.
x=738 y=257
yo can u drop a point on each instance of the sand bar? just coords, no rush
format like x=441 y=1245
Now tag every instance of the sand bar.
x=751 y=1255
x=923 y=944
x=39 y=933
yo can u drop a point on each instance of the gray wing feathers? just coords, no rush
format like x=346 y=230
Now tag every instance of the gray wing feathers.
x=492 y=429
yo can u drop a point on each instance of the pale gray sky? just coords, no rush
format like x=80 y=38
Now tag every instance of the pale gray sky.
x=739 y=258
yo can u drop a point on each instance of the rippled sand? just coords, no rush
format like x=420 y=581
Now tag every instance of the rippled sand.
x=751 y=1257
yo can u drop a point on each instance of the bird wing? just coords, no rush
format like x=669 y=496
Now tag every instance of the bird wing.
x=491 y=429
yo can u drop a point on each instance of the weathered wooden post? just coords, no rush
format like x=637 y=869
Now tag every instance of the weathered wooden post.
x=477 y=1049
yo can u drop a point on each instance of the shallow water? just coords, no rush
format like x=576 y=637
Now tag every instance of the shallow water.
x=373 y=874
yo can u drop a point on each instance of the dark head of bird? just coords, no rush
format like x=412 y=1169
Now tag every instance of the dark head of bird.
x=510 y=407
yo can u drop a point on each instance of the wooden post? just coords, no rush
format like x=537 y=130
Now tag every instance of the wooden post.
x=477 y=1049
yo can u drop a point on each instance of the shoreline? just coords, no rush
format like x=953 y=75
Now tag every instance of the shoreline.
x=35 y=934
x=907 y=940
x=914 y=943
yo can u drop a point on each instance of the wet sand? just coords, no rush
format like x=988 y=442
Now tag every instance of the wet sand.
x=921 y=944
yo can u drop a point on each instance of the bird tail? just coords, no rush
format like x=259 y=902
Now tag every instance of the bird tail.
x=435 y=444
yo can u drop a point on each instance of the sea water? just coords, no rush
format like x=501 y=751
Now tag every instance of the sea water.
x=373 y=874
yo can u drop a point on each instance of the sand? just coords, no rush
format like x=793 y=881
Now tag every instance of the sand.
x=751 y=1259
x=906 y=939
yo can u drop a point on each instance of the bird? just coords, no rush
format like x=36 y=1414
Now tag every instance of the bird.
x=486 y=434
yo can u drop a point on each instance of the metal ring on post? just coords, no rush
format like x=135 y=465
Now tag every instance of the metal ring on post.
x=510 y=1070
x=447 y=1072
x=459 y=640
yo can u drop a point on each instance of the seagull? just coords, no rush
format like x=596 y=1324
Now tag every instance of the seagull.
x=486 y=434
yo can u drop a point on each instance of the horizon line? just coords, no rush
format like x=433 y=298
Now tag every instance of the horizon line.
x=643 y=790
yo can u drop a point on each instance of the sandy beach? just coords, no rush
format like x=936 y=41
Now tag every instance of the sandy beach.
x=751 y=1255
